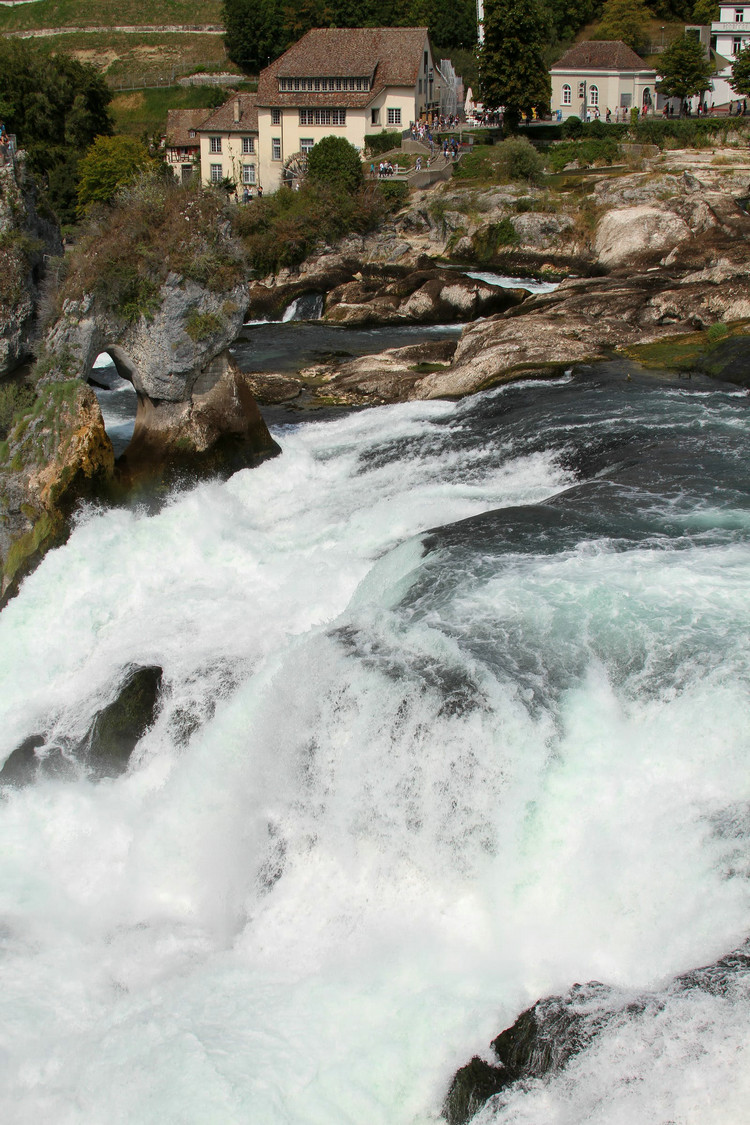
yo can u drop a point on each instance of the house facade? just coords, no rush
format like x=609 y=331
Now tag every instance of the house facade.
x=730 y=34
x=342 y=81
x=182 y=142
x=593 y=77
x=229 y=148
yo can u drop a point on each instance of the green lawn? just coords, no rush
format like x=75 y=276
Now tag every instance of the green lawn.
x=100 y=13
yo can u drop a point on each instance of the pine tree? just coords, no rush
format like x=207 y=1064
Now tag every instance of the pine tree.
x=512 y=69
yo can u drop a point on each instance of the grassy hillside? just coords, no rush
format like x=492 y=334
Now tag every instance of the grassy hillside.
x=140 y=59
x=146 y=110
x=102 y=13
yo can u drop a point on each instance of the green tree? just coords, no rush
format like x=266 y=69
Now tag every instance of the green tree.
x=705 y=11
x=626 y=20
x=512 y=68
x=685 y=69
x=334 y=161
x=253 y=32
x=55 y=106
x=109 y=164
x=740 y=81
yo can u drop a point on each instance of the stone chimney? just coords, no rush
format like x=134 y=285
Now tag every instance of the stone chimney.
x=236 y=110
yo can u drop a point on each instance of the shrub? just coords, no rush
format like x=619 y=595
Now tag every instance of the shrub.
x=394 y=193
x=155 y=227
x=375 y=143
x=586 y=153
x=519 y=160
x=15 y=399
x=200 y=326
x=334 y=161
x=717 y=332
x=572 y=127
x=490 y=239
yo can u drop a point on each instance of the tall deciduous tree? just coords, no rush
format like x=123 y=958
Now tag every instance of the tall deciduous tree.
x=626 y=20
x=109 y=164
x=685 y=69
x=512 y=68
x=55 y=106
x=740 y=82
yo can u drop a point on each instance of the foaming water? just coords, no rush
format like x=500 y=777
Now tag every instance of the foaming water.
x=456 y=715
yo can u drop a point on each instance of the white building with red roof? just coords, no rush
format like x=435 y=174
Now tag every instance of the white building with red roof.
x=595 y=76
x=342 y=81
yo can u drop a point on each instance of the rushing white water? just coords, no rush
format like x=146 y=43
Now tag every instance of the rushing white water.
x=505 y=282
x=400 y=786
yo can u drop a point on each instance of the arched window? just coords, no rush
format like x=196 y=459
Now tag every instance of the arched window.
x=567 y=95
x=593 y=95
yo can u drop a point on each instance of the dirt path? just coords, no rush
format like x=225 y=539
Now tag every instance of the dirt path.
x=144 y=29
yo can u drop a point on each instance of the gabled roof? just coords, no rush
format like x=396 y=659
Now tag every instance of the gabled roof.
x=389 y=56
x=238 y=115
x=604 y=54
x=179 y=124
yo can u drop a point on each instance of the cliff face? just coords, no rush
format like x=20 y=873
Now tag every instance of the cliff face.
x=26 y=239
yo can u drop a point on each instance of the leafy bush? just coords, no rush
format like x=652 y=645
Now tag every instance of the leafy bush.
x=283 y=228
x=395 y=193
x=585 y=153
x=375 y=143
x=572 y=127
x=334 y=161
x=517 y=159
x=490 y=239
x=717 y=332
x=155 y=227
x=200 y=326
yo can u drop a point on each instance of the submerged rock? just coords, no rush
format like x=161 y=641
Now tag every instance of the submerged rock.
x=120 y=725
x=546 y=1036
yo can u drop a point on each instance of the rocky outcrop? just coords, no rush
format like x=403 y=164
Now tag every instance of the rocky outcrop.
x=105 y=750
x=432 y=296
x=27 y=238
x=195 y=415
x=623 y=236
x=380 y=294
x=57 y=454
x=546 y=1036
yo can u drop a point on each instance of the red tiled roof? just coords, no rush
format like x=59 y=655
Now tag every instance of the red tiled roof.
x=179 y=124
x=226 y=118
x=389 y=56
x=605 y=54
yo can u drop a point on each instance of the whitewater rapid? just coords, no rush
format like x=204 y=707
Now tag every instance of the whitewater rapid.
x=401 y=784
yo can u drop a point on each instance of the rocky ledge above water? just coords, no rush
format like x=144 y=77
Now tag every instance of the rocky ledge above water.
x=668 y=255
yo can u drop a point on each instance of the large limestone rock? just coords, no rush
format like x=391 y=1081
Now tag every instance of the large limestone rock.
x=27 y=238
x=627 y=235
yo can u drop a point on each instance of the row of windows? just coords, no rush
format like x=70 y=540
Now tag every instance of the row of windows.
x=593 y=94
x=317 y=84
x=248 y=173
x=248 y=144
x=322 y=117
